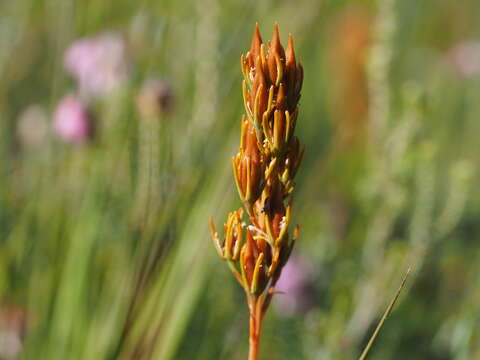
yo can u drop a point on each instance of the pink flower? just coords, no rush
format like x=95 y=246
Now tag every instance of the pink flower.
x=71 y=121
x=294 y=286
x=13 y=324
x=98 y=64
x=465 y=58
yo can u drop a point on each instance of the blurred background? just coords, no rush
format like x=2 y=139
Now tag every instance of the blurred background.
x=118 y=120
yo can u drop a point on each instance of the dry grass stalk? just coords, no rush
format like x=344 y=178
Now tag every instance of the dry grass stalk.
x=386 y=314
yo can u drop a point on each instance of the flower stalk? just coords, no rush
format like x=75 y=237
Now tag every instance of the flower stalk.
x=264 y=169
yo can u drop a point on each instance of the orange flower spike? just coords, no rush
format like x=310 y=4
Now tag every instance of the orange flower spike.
x=264 y=170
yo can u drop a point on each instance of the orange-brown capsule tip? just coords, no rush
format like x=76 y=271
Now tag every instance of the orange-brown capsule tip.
x=290 y=53
x=276 y=36
x=256 y=42
x=290 y=63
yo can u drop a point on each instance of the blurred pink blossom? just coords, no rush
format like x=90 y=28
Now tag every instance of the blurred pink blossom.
x=294 y=285
x=465 y=58
x=12 y=330
x=71 y=121
x=99 y=64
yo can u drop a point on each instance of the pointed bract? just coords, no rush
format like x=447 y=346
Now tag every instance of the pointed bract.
x=256 y=42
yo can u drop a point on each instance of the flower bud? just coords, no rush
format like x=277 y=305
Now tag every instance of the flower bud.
x=248 y=167
x=72 y=122
x=154 y=98
x=98 y=64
